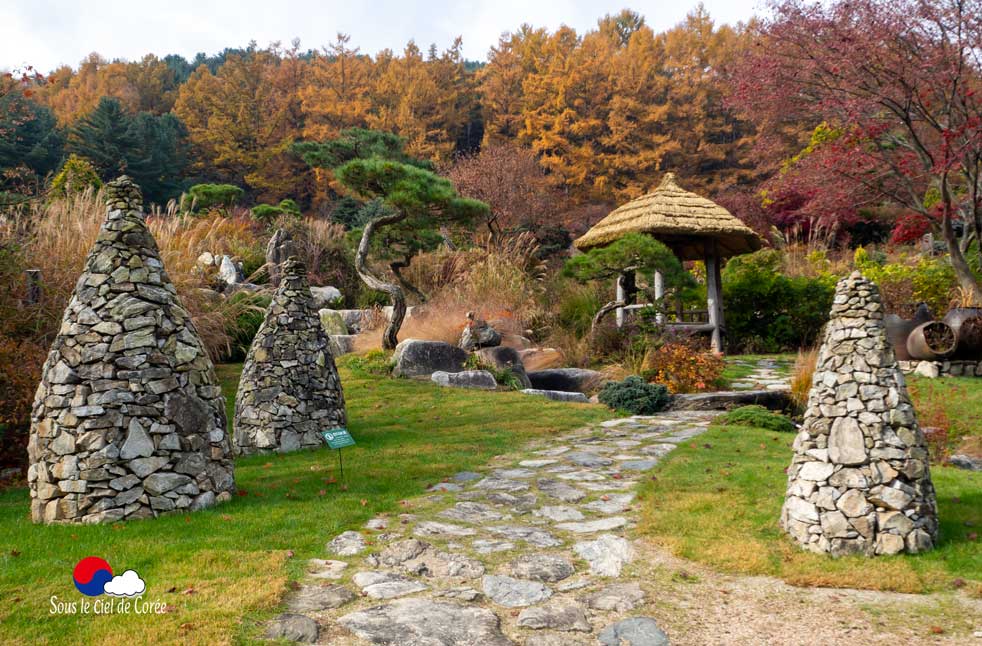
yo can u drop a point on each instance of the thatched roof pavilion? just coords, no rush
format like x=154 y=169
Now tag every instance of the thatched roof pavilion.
x=693 y=227
x=683 y=221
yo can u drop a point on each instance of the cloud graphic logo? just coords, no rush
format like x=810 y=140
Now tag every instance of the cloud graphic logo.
x=91 y=575
x=127 y=584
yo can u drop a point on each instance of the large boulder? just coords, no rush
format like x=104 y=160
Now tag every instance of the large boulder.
x=342 y=344
x=503 y=358
x=229 y=272
x=129 y=418
x=325 y=297
x=571 y=380
x=418 y=358
x=280 y=248
x=558 y=395
x=332 y=322
x=480 y=379
x=478 y=334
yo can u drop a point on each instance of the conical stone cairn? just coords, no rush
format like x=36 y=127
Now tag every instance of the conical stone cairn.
x=859 y=480
x=289 y=389
x=129 y=419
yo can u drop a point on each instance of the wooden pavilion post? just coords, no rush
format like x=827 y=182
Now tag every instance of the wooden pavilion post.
x=714 y=295
x=659 y=295
x=626 y=290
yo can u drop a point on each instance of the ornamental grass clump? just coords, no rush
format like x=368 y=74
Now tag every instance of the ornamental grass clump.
x=635 y=396
x=757 y=417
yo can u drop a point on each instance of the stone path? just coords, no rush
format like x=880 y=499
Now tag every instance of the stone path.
x=536 y=550
x=770 y=374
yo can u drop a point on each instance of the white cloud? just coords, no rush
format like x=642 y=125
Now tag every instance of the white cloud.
x=127 y=584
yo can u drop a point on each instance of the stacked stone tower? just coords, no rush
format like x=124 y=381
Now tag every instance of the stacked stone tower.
x=129 y=419
x=859 y=479
x=289 y=389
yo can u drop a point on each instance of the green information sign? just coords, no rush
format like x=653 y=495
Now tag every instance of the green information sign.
x=338 y=438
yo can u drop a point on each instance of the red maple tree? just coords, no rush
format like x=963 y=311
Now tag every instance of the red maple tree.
x=895 y=86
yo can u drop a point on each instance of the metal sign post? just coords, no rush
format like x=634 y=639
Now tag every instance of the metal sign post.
x=338 y=438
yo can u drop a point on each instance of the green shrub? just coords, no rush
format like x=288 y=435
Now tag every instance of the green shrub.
x=576 y=306
x=75 y=176
x=902 y=285
x=269 y=212
x=375 y=362
x=204 y=197
x=635 y=396
x=241 y=332
x=767 y=311
x=757 y=417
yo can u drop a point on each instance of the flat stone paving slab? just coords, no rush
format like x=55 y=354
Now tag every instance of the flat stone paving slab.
x=533 y=545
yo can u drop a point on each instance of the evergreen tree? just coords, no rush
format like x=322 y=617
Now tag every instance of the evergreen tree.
x=103 y=136
x=30 y=136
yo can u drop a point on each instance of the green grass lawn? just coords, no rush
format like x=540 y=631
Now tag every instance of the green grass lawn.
x=221 y=570
x=717 y=500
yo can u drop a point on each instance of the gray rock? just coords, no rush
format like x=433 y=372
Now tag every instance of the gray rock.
x=485 y=546
x=606 y=555
x=636 y=631
x=530 y=535
x=326 y=569
x=777 y=400
x=478 y=334
x=558 y=395
x=556 y=615
x=505 y=358
x=477 y=379
x=559 y=513
x=229 y=272
x=611 y=503
x=592 y=526
x=846 y=443
x=417 y=358
x=560 y=490
x=433 y=528
x=160 y=483
x=968 y=462
x=541 y=567
x=460 y=593
x=342 y=344
x=331 y=320
x=292 y=627
x=471 y=512
x=617 y=597
x=314 y=598
x=346 y=544
x=325 y=297
x=584 y=459
x=638 y=465
x=422 y=622
x=138 y=444
x=502 y=484
x=565 y=379
x=443 y=565
x=514 y=593
x=386 y=585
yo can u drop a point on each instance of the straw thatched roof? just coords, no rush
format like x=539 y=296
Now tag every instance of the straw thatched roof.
x=684 y=221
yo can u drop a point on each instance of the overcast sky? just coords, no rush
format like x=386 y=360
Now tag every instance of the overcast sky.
x=48 y=33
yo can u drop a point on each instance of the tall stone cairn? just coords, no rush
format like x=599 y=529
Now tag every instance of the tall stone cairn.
x=289 y=388
x=859 y=479
x=129 y=419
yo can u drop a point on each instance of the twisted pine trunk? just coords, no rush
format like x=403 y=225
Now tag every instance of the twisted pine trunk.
x=396 y=295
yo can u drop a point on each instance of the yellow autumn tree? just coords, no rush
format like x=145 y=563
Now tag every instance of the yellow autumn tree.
x=242 y=120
